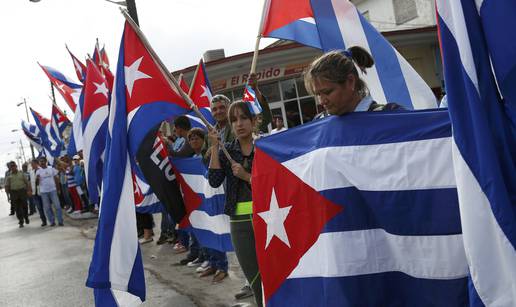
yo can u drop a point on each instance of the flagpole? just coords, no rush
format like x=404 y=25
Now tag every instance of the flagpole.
x=52 y=90
x=258 y=37
x=172 y=81
x=193 y=80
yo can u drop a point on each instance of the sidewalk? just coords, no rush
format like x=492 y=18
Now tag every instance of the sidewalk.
x=162 y=263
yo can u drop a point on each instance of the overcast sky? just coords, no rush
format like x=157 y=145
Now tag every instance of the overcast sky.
x=179 y=30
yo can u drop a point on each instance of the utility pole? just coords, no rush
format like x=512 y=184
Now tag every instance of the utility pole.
x=131 y=8
x=28 y=121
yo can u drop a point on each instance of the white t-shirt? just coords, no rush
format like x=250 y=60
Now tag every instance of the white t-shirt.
x=276 y=130
x=46 y=179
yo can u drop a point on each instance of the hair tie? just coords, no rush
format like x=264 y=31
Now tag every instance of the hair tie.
x=348 y=53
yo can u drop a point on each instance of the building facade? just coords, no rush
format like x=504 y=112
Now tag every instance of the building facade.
x=280 y=66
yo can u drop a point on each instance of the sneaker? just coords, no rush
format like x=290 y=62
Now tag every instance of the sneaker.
x=244 y=292
x=144 y=241
x=69 y=210
x=61 y=224
x=12 y=213
x=162 y=239
x=219 y=276
x=27 y=221
x=179 y=248
x=21 y=225
x=53 y=224
x=204 y=266
x=186 y=260
x=195 y=262
x=43 y=224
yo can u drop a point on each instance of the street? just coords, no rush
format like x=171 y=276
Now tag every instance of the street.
x=48 y=266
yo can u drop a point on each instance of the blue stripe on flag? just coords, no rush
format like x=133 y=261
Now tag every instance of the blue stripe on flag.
x=299 y=31
x=376 y=127
x=417 y=212
x=396 y=288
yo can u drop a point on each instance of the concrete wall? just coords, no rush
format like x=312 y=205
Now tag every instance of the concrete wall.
x=382 y=15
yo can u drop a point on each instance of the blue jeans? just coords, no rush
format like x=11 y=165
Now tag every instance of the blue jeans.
x=51 y=198
x=194 y=247
x=35 y=200
x=66 y=196
x=217 y=259
x=167 y=226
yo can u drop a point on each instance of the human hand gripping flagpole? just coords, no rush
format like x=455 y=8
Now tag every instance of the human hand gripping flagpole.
x=172 y=81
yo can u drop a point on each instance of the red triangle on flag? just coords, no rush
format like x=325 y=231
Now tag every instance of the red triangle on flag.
x=275 y=189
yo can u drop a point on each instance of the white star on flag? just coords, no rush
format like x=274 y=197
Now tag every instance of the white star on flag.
x=77 y=66
x=275 y=220
x=132 y=74
x=246 y=96
x=206 y=92
x=60 y=86
x=101 y=88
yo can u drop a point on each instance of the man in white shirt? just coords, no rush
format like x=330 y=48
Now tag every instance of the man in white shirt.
x=47 y=180
x=36 y=198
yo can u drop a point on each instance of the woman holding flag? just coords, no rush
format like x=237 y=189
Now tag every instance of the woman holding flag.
x=333 y=78
x=237 y=173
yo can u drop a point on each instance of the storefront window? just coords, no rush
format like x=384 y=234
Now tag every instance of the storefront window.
x=301 y=87
x=228 y=94
x=293 y=114
x=270 y=91
x=288 y=89
x=308 y=109
x=238 y=94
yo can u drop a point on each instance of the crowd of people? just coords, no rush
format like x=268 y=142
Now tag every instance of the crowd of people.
x=48 y=190
x=333 y=79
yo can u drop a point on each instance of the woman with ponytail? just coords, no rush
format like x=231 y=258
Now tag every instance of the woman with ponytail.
x=333 y=78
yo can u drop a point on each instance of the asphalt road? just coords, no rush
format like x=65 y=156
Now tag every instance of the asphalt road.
x=47 y=266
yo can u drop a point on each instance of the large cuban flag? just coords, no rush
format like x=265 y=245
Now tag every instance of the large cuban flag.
x=477 y=36
x=94 y=112
x=68 y=88
x=204 y=205
x=201 y=95
x=141 y=100
x=337 y=24
x=346 y=214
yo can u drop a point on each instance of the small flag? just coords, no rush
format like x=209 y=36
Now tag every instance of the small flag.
x=250 y=98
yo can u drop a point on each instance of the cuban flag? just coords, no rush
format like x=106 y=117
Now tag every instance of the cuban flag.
x=337 y=24
x=204 y=205
x=94 y=113
x=249 y=97
x=145 y=200
x=201 y=96
x=58 y=123
x=182 y=83
x=76 y=143
x=50 y=145
x=80 y=68
x=103 y=57
x=141 y=100
x=68 y=88
x=33 y=135
x=100 y=59
x=484 y=143
x=360 y=217
x=496 y=15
